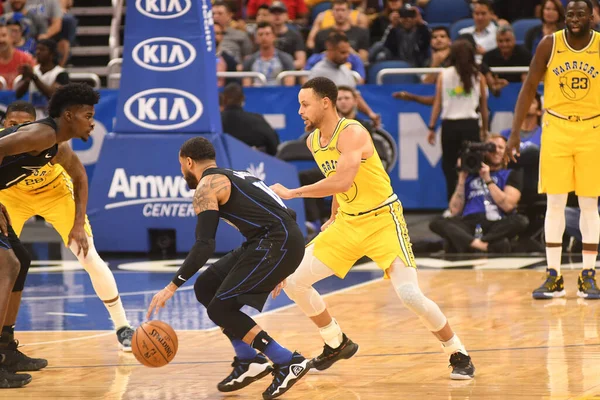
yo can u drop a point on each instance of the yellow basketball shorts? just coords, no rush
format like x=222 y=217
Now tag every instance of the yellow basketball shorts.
x=380 y=235
x=570 y=157
x=55 y=203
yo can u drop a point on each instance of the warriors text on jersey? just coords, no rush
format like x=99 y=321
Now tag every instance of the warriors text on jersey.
x=371 y=186
x=572 y=81
x=19 y=167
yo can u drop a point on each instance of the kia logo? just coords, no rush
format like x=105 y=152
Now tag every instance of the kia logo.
x=163 y=109
x=163 y=9
x=164 y=54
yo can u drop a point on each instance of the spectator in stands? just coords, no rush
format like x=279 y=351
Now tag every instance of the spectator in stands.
x=553 y=17
x=529 y=159
x=223 y=56
x=483 y=207
x=409 y=40
x=263 y=14
x=484 y=30
x=358 y=37
x=382 y=21
x=16 y=30
x=295 y=9
x=440 y=51
x=334 y=64
x=354 y=63
x=288 y=40
x=334 y=67
x=248 y=127
x=235 y=42
x=268 y=60
x=43 y=79
x=596 y=24
x=11 y=59
x=33 y=24
x=460 y=91
x=61 y=27
x=508 y=54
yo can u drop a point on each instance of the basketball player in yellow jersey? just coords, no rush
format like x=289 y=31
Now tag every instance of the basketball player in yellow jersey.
x=366 y=219
x=58 y=192
x=569 y=62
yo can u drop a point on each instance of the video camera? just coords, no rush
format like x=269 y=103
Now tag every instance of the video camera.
x=473 y=154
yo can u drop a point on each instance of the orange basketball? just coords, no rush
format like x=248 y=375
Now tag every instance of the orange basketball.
x=154 y=344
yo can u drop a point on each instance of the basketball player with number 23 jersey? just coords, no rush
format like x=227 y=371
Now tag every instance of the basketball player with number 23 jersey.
x=366 y=219
x=569 y=63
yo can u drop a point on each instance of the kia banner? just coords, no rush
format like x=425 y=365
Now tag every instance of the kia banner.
x=168 y=82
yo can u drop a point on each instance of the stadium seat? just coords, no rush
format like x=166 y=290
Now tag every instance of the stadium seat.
x=521 y=27
x=458 y=25
x=319 y=8
x=375 y=68
x=447 y=11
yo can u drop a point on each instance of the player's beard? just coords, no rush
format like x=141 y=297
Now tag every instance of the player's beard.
x=190 y=179
x=583 y=31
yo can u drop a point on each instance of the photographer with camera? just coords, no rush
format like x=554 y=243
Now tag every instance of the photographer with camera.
x=484 y=201
x=460 y=93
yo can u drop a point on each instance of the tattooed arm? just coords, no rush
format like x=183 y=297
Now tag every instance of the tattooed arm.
x=457 y=202
x=211 y=191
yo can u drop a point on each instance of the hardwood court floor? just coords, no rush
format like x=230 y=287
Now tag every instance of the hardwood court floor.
x=522 y=349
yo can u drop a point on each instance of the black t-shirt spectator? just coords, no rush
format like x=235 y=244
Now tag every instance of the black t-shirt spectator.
x=357 y=37
x=410 y=46
x=250 y=128
x=378 y=27
x=290 y=42
x=519 y=58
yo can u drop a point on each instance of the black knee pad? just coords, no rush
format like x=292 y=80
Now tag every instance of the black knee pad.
x=25 y=263
x=227 y=315
x=206 y=286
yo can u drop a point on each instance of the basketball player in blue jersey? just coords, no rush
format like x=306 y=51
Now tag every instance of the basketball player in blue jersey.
x=21 y=154
x=273 y=249
x=569 y=63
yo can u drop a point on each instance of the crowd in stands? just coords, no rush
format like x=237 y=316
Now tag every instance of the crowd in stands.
x=35 y=43
x=272 y=36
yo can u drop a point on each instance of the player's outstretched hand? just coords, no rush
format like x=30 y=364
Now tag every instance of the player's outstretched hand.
x=512 y=148
x=79 y=236
x=278 y=288
x=159 y=300
x=282 y=191
x=4 y=220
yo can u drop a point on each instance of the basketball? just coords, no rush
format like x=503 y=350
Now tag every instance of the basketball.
x=154 y=344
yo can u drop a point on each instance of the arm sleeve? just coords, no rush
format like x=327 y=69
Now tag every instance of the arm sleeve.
x=515 y=179
x=203 y=248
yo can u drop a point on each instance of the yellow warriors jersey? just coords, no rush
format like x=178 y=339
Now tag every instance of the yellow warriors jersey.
x=42 y=177
x=571 y=84
x=371 y=185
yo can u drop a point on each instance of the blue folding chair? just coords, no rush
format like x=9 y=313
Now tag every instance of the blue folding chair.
x=447 y=11
x=458 y=25
x=521 y=26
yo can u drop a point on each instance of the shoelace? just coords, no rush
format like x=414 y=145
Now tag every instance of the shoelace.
x=551 y=282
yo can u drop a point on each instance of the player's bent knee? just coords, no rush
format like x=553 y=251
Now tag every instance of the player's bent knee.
x=206 y=286
x=9 y=265
x=412 y=297
x=24 y=264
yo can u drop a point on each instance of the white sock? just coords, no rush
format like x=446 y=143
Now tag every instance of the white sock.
x=553 y=256
x=332 y=334
x=589 y=259
x=453 y=345
x=117 y=313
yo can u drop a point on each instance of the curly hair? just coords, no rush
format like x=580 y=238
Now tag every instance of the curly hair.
x=72 y=94
x=198 y=149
